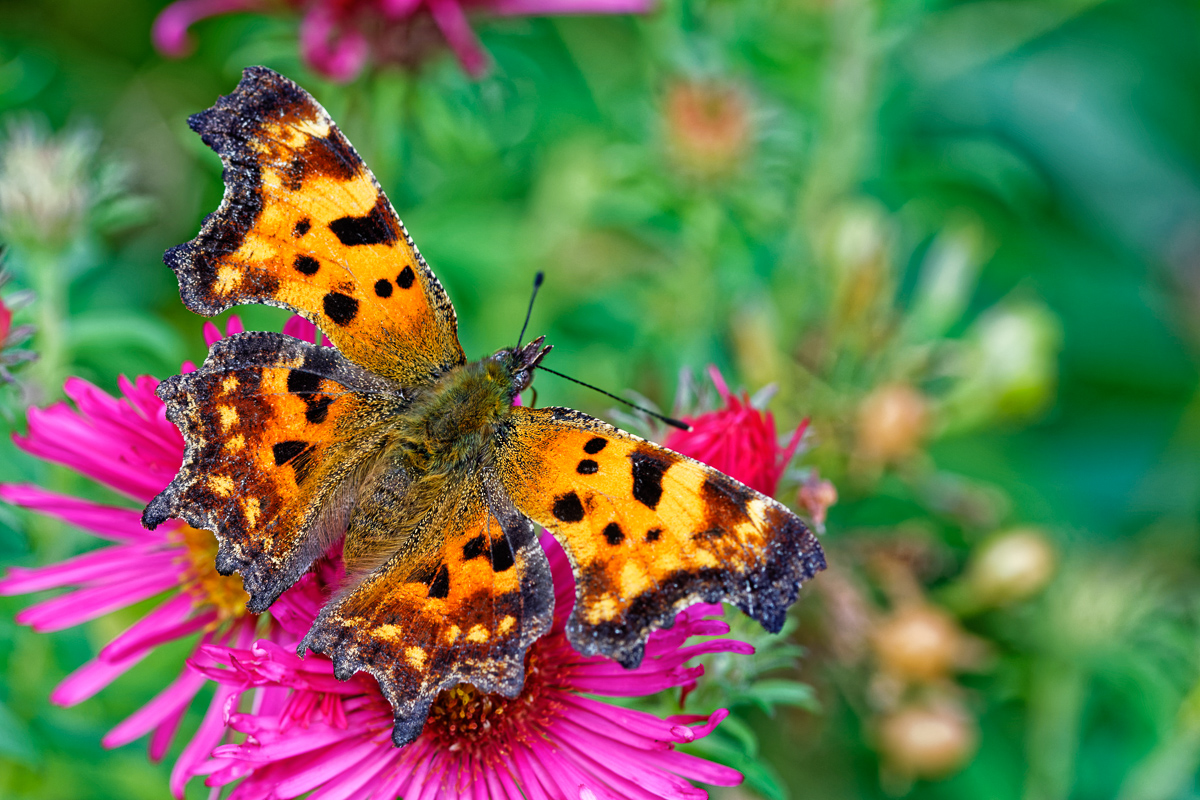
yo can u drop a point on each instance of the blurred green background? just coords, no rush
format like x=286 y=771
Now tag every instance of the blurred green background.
x=963 y=237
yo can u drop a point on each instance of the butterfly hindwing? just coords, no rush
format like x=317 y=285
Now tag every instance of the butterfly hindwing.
x=648 y=531
x=460 y=601
x=268 y=464
x=305 y=226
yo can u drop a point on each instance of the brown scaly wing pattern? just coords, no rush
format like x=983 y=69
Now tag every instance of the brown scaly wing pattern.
x=461 y=600
x=277 y=433
x=305 y=226
x=649 y=531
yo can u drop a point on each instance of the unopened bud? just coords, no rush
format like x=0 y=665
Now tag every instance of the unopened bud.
x=931 y=741
x=815 y=496
x=1012 y=566
x=892 y=422
x=918 y=643
x=708 y=126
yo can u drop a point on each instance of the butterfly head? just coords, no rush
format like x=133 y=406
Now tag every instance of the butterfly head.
x=520 y=362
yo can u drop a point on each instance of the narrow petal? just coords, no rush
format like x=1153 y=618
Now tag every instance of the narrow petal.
x=503 y=8
x=452 y=22
x=106 y=566
x=89 y=679
x=87 y=604
x=170 y=31
x=109 y=522
x=171 y=620
x=173 y=700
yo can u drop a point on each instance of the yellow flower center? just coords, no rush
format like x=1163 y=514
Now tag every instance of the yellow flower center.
x=206 y=585
x=465 y=718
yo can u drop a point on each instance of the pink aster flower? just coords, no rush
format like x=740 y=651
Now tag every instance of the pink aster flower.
x=337 y=37
x=738 y=439
x=127 y=444
x=552 y=741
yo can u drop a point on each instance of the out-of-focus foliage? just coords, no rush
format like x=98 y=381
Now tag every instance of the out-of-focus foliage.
x=962 y=237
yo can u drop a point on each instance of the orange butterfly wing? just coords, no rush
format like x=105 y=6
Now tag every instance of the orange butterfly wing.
x=460 y=601
x=270 y=459
x=304 y=226
x=649 y=531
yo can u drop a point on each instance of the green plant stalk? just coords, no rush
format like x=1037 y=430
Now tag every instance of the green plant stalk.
x=50 y=313
x=1057 y=692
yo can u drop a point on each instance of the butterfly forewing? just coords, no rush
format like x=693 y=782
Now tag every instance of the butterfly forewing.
x=305 y=226
x=649 y=531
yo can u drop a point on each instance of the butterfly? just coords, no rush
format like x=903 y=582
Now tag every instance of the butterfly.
x=416 y=459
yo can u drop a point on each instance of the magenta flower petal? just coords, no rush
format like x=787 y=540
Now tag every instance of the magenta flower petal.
x=170 y=30
x=452 y=20
x=172 y=620
x=170 y=702
x=336 y=51
x=91 y=678
x=126 y=443
x=87 y=604
x=109 y=522
x=531 y=8
x=108 y=565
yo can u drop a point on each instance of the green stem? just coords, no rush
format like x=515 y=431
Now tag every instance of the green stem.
x=1055 y=713
x=848 y=113
x=50 y=342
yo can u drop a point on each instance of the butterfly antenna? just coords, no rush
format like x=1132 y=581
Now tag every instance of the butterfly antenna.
x=683 y=426
x=537 y=284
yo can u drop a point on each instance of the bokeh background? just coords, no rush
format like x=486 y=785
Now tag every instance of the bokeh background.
x=962 y=237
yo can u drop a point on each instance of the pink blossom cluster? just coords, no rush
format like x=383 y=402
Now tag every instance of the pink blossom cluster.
x=339 y=37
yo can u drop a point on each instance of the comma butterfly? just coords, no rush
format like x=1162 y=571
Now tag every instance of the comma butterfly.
x=392 y=441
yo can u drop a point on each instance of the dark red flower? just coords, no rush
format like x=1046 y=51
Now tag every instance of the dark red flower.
x=738 y=439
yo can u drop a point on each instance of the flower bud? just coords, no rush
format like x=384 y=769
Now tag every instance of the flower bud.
x=708 y=127
x=1011 y=566
x=892 y=422
x=815 y=496
x=918 y=643
x=45 y=184
x=928 y=741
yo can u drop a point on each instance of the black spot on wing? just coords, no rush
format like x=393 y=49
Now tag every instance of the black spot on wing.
x=406 y=277
x=568 y=508
x=286 y=451
x=594 y=445
x=474 y=548
x=318 y=408
x=648 y=471
x=654 y=534
x=301 y=382
x=302 y=227
x=296 y=453
x=341 y=308
x=307 y=385
x=440 y=586
x=613 y=533
x=587 y=467
x=377 y=227
x=306 y=265
x=502 y=555
x=383 y=288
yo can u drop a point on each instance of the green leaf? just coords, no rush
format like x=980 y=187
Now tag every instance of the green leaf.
x=779 y=692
